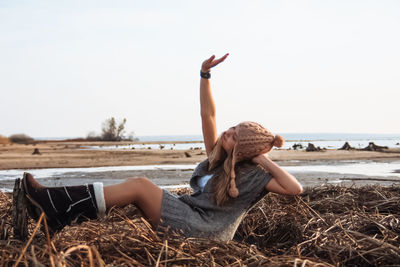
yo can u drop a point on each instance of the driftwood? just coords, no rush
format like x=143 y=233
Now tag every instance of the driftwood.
x=187 y=154
x=297 y=146
x=312 y=148
x=372 y=147
x=346 y=146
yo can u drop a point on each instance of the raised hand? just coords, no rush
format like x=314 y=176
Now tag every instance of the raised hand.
x=212 y=62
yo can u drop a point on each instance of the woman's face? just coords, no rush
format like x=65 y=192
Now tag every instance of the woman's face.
x=229 y=139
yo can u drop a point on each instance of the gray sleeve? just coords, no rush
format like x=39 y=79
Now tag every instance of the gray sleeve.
x=265 y=176
x=252 y=186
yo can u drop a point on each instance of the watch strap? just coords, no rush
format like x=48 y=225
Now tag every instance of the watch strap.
x=205 y=75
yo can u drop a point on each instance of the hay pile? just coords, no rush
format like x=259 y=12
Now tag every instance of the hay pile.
x=325 y=226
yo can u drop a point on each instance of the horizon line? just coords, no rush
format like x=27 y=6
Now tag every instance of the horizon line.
x=287 y=133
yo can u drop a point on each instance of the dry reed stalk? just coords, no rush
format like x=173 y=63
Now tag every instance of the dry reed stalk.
x=30 y=240
x=325 y=226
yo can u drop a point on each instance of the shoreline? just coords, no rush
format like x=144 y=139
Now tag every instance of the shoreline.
x=311 y=168
x=181 y=178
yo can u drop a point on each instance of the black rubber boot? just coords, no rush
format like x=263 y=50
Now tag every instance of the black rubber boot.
x=62 y=205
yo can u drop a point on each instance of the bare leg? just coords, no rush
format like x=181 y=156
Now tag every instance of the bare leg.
x=139 y=191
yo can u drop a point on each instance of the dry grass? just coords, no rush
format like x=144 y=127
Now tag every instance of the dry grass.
x=325 y=226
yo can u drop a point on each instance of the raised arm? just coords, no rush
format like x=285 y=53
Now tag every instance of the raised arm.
x=207 y=105
x=283 y=182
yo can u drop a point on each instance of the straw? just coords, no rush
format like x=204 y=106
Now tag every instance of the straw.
x=325 y=226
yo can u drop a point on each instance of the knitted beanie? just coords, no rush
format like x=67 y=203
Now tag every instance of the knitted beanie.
x=252 y=140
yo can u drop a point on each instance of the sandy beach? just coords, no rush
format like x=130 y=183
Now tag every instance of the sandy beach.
x=73 y=155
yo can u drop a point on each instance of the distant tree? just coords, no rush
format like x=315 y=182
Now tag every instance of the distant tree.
x=111 y=131
x=93 y=137
x=131 y=137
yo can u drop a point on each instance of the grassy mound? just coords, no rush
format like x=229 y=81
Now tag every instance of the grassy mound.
x=325 y=226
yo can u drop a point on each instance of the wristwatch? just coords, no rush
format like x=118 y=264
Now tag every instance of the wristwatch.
x=205 y=75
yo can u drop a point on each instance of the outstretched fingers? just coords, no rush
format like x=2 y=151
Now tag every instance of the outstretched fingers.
x=212 y=62
x=210 y=59
x=217 y=61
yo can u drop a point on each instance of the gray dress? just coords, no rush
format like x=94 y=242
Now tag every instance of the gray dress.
x=197 y=215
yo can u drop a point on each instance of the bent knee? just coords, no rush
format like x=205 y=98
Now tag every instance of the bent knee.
x=139 y=181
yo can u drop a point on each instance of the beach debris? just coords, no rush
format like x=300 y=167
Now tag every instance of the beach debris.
x=398 y=144
x=162 y=147
x=312 y=148
x=346 y=146
x=36 y=151
x=372 y=147
x=325 y=226
x=187 y=154
x=297 y=146
x=149 y=147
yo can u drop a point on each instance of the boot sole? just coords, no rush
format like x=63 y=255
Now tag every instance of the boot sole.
x=19 y=215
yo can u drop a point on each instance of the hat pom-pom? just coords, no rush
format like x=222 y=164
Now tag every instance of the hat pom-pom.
x=278 y=141
x=233 y=192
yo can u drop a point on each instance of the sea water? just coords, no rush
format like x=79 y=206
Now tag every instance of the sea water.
x=354 y=167
x=60 y=172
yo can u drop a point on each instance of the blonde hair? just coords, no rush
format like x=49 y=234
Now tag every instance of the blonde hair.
x=222 y=176
x=252 y=140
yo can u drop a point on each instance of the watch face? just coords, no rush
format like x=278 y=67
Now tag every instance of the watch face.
x=205 y=75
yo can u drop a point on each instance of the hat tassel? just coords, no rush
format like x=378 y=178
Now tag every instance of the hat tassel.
x=233 y=191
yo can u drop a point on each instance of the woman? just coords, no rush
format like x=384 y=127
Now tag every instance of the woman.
x=236 y=174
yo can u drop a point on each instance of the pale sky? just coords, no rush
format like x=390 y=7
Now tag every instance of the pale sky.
x=294 y=66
